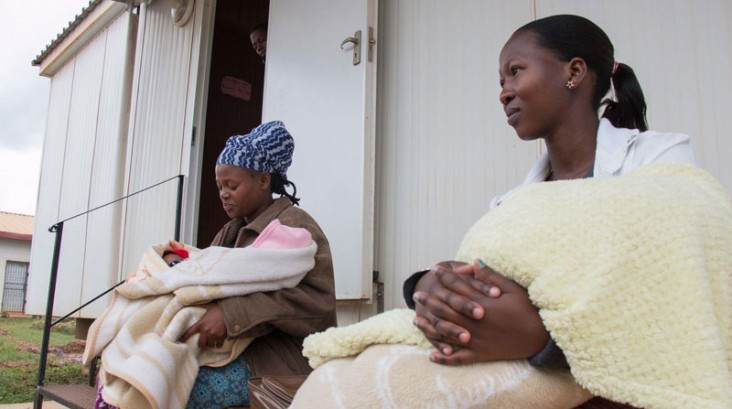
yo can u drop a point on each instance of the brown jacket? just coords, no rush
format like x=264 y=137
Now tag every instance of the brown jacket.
x=280 y=319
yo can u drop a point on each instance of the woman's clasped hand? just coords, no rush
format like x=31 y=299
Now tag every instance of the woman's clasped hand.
x=472 y=314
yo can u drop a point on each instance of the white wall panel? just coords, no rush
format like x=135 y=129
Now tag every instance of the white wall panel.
x=444 y=148
x=82 y=129
x=81 y=146
x=160 y=124
x=681 y=51
x=14 y=250
x=77 y=171
x=47 y=209
x=101 y=263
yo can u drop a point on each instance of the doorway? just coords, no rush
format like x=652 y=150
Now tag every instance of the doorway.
x=15 y=286
x=234 y=106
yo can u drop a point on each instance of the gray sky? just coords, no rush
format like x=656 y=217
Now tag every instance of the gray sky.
x=26 y=27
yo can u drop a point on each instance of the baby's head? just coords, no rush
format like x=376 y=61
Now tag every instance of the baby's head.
x=252 y=167
x=175 y=256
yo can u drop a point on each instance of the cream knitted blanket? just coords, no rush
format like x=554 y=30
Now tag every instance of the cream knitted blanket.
x=632 y=278
x=144 y=365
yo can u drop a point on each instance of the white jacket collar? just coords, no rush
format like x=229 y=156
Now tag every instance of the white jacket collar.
x=612 y=147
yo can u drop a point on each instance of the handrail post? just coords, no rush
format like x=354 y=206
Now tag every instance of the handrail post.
x=58 y=229
x=178 y=208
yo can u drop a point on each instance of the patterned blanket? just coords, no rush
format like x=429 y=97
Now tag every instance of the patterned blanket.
x=382 y=362
x=144 y=365
x=631 y=276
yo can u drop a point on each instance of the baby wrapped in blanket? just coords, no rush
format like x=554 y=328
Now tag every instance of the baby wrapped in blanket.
x=144 y=364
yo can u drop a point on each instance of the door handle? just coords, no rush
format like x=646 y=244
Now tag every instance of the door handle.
x=356 y=40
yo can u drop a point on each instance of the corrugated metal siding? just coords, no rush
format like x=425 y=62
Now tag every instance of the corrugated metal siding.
x=77 y=174
x=444 y=148
x=101 y=262
x=77 y=170
x=161 y=98
x=47 y=210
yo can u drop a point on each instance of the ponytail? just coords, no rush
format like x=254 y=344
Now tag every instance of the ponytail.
x=629 y=108
x=278 y=184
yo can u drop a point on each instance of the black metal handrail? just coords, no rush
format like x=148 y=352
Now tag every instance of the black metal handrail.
x=58 y=228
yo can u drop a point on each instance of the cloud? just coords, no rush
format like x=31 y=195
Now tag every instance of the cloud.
x=19 y=173
x=22 y=113
x=31 y=25
x=27 y=26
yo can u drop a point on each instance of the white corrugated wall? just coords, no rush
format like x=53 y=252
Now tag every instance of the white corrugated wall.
x=79 y=171
x=101 y=261
x=160 y=125
x=81 y=135
x=444 y=148
x=49 y=191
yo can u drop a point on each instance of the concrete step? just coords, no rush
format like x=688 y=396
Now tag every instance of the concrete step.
x=72 y=396
x=49 y=404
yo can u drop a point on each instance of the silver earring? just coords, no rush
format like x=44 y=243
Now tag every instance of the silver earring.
x=570 y=84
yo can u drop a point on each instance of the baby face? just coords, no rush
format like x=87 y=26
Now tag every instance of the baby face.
x=172 y=259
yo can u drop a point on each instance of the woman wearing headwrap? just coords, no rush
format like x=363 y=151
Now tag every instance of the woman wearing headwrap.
x=248 y=171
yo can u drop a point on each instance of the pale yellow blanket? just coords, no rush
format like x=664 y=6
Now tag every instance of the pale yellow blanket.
x=632 y=276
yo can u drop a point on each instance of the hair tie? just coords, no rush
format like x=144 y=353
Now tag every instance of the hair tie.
x=615 y=68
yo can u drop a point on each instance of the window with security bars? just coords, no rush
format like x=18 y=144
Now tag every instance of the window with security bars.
x=16 y=274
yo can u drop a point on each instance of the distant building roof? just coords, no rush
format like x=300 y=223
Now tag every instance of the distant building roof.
x=72 y=25
x=16 y=226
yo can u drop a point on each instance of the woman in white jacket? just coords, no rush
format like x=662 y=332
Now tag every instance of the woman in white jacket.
x=555 y=73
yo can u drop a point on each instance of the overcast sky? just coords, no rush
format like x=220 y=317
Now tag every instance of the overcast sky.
x=26 y=27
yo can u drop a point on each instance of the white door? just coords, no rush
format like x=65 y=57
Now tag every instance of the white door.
x=327 y=103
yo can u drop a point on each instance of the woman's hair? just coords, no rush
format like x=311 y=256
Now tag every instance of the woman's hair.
x=569 y=36
x=278 y=183
x=258 y=26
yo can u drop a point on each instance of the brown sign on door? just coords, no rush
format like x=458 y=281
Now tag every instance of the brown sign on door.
x=236 y=87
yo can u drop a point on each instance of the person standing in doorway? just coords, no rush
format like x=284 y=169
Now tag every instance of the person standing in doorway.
x=258 y=37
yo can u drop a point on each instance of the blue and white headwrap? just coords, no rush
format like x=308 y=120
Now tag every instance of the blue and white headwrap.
x=267 y=148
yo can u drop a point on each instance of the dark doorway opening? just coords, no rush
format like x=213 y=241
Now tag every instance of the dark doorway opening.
x=234 y=104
